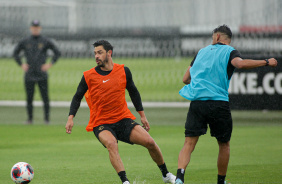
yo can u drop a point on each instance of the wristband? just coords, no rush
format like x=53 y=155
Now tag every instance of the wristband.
x=267 y=62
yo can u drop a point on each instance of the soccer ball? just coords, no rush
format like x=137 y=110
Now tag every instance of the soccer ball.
x=22 y=172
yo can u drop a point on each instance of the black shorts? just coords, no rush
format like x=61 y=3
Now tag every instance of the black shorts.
x=215 y=113
x=121 y=129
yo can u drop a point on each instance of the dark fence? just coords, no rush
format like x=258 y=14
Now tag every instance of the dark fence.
x=150 y=42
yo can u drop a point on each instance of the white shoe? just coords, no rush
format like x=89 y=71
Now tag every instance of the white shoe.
x=126 y=182
x=170 y=178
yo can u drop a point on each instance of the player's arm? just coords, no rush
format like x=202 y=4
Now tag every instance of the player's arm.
x=16 y=55
x=136 y=98
x=57 y=54
x=144 y=120
x=133 y=91
x=55 y=50
x=187 y=76
x=250 y=63
x=75 y=103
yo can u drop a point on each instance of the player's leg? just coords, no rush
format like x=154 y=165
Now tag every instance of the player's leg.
x=195 y=126
x=29 y=89
x=140 y=136
x=43 y=87
x=185 y=156
x=186 y=151
x=107 y=138
x=223 y=159
x=110 y=142
x=221 y=128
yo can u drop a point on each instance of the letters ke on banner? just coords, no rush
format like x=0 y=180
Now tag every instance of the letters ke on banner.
x=256 y=89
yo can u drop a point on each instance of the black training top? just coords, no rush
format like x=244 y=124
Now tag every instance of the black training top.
x=130 y=86
x=35 y=50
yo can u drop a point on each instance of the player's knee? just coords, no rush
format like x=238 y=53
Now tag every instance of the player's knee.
x=224 y=145
x=111 y=145
x=150 y=143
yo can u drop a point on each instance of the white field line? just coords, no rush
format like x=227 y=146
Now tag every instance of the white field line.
x=84 y=104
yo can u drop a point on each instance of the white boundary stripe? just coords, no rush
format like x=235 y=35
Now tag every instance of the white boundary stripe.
x=84 y=104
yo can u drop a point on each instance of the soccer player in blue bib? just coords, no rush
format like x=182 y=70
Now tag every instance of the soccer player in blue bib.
x=207 y=80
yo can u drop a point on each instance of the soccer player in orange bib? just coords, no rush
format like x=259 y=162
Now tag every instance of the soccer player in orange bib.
x=110 y=119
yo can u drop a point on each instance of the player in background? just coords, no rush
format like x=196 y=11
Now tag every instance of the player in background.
x=110 y=119
x=35 y=49
x=207 y=80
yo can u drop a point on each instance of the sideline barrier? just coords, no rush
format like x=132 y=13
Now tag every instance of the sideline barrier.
x=259 y=88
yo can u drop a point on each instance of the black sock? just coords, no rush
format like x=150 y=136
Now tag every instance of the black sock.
x=220 y=179
x=163 y=169
x=122 y=176
x=180 y=174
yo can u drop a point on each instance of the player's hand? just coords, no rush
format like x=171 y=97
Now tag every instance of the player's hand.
x=145 y=123
x=272 y=62
x=25 y=67
x=46 y=67
x=69 y=124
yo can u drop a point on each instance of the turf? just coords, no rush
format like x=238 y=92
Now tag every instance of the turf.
x=60 y=158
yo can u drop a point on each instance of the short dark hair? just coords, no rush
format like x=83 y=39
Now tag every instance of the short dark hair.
x=107 y=46
x=223 y=29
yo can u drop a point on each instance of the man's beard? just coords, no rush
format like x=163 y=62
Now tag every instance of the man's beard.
x=103 y=63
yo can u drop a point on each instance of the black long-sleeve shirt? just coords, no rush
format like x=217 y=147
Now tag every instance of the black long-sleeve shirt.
x=130 y=86
x=35 y=50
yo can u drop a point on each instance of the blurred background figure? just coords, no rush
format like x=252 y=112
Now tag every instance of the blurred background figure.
x=35 y=49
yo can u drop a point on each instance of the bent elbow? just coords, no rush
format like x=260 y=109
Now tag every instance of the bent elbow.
x=186 y=81
x=240 y=65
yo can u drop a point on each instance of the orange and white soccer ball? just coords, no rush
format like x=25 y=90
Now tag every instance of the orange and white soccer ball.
x=22 y=172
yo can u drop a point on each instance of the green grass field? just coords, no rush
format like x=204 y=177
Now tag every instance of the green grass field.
x=59 y=158
x=157 y=79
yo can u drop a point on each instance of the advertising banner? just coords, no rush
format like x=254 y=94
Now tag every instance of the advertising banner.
x=256 y=89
